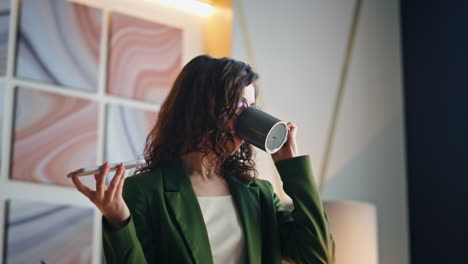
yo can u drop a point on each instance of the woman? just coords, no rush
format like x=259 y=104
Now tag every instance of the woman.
x=198 y=199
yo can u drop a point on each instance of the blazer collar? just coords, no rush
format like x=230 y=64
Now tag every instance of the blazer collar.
x=184 y=206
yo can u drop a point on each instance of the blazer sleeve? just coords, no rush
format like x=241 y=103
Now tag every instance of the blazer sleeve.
x=134 y=242
x=304 y=232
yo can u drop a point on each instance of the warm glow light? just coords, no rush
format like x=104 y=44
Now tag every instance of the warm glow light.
x=193 y=6
x=354 y=228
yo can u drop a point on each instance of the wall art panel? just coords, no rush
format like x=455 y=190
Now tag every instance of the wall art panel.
x=58 y=43
x=4 y=29
x=126 y=131
x=53 y=135
x=2 y=93
x=48 y=233
x=144 y=58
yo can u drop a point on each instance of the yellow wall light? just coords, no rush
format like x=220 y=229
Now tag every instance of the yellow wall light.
x=192 y=6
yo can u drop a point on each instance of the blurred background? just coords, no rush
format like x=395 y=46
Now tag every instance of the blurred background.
x=377 y=88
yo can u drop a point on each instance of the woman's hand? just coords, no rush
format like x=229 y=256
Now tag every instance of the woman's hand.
x=289 y=149
x=108 y=200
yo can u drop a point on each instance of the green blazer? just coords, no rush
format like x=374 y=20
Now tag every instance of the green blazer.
x=167 y=226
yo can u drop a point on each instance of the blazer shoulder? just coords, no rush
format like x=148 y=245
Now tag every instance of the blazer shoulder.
x=150 y=180
x=264 y=185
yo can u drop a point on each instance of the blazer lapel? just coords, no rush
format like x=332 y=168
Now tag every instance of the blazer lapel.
x=183 y=203
x=247 y=201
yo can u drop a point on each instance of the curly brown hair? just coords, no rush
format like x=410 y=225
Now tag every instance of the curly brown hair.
x=194 y=117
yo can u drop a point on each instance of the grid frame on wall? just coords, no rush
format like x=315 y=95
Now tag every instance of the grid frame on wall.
x=192 y=28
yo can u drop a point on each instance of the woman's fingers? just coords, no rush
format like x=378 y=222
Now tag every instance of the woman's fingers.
x=292 y=128
x=100 y=186
x=82 y=188
x=115 y=182
x=118 y=193
x=292 y=137
x=104 y=197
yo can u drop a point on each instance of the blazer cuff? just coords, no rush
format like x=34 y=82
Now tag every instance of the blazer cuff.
x=293 y=165
x=121 y=239
x=296 y=172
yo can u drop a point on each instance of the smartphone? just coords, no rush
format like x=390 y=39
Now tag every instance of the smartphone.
x=113 y=167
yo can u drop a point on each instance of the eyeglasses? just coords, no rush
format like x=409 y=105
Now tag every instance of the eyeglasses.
x=241 y=106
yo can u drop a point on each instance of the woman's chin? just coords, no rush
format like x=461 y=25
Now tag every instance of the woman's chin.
x=238 y=143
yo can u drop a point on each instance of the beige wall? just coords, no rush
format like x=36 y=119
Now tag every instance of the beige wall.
x=298 y=49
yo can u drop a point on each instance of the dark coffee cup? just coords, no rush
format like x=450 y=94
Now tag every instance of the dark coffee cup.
x=262 y=130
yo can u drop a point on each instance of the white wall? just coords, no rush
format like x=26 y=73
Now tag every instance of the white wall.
x=298 y=49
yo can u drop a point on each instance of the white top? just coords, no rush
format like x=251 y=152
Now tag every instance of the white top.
x=224 y=229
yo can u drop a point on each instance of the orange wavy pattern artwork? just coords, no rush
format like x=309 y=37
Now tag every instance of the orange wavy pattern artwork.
x=53 y=135
x=144 y=58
